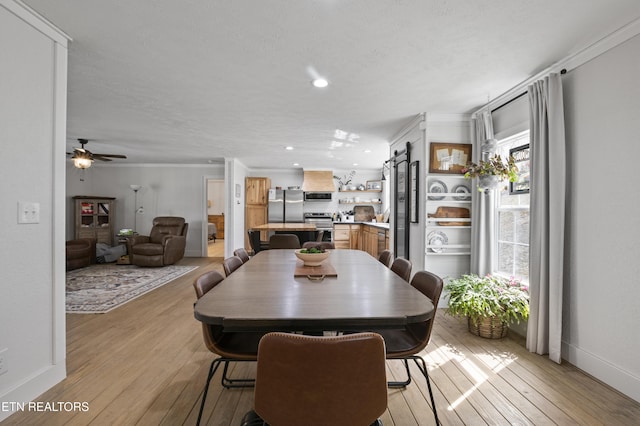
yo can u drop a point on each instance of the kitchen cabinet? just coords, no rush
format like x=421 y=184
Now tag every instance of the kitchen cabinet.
x=346 y=236
x=256 y=205
x=374 y=239
x=94 y=218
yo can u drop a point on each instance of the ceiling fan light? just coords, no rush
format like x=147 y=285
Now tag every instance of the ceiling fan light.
x=82 y=162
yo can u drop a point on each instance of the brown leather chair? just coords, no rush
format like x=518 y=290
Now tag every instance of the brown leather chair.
x=406 y=343
x=326 y=245
x=164 y=246
x=317 y=380
x=242 y=254
x=257 y=245
x=80 y=253
x=284 y=241
x=385 y=257
x=229 y=346
x=230 y=264
x=402 y=267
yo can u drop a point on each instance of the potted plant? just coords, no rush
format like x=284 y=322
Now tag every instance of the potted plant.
x=490 y=303
x=492 y=171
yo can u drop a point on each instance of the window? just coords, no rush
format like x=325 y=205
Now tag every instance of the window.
x=512 y=226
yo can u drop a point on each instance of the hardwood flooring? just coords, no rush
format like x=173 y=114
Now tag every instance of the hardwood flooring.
x=145 y=363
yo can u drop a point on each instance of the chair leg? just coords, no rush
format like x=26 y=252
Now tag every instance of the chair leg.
x=404 y=383
x=423 y=368
x=235 y=383
x=212 y=370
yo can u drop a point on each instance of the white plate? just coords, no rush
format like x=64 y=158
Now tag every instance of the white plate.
x=464 y=191
x=438 y=239
x=437 y=186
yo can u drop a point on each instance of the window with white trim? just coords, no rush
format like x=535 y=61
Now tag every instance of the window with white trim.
x=512 y=221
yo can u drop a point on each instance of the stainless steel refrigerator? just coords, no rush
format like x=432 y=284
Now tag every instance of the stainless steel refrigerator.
x=285 y=206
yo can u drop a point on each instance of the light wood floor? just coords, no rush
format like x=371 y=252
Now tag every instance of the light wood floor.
x=215 y=249
x=145 y=363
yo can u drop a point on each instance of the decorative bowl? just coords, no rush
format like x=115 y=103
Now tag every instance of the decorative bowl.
x=312 y=259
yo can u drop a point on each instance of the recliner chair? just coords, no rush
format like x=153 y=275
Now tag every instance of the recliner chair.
x=164 y=246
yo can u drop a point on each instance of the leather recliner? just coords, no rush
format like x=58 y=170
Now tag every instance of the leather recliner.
x=80 y=253
x=164 y=246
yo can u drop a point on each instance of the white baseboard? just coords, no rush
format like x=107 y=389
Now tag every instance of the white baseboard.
x=35 y=386
x=614 y=376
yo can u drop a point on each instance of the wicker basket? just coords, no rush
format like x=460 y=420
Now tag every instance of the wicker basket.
x=488 y=327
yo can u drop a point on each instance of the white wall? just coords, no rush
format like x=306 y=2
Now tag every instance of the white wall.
x=33 y=116
x=602 y=112
x=167 y=190
x=215 y=194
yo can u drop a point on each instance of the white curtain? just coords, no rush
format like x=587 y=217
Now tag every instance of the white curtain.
x=482 y=203
x=548 y=189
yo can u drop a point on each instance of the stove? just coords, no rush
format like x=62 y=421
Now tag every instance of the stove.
x=323 y=222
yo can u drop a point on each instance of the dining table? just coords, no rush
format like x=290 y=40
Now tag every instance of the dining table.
x=350 y=291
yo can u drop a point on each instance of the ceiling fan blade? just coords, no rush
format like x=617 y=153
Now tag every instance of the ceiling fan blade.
x=101 y=158
x=110 y=155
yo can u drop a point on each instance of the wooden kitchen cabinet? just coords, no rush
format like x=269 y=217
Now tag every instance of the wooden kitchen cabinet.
x=373 y=241
x=256 y=205
x=346 y=236
x=94 y=218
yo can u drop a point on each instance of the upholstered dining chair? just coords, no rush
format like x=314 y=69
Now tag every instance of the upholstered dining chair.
x=402 y=267
x=242 y=254
x=257 y=245
x=229 y=347
x=230 y=264
x=326 y=245
x=405 y=344
x=385 y=257
x=319 y=380
x=284 y=241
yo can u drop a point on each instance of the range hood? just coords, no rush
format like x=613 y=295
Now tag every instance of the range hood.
x=318 y=181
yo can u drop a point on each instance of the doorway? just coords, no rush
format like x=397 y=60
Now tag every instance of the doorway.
x=215 y=218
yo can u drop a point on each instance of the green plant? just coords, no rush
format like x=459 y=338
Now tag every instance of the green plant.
x=491 y=295
x=494 y=166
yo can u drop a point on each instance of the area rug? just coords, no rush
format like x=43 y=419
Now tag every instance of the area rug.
x=101 y=288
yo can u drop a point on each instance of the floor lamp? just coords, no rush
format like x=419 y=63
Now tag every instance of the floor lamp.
x=135 y=188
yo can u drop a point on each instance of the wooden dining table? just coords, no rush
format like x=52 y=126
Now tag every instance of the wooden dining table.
x=264 y=295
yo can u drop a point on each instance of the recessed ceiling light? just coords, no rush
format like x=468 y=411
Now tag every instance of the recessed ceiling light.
x=296 y=164
x=367 y=151
x=288 y=148
x=355 y=164
x=319 y=82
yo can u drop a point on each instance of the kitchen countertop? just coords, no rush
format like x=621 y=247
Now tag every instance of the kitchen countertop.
x=376 y=224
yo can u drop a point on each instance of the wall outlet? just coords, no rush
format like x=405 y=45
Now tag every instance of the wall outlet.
x=3 y=361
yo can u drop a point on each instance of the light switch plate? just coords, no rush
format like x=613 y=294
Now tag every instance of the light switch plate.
x=28 y=212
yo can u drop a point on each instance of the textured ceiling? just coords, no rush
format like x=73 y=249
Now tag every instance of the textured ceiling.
x=191 y=81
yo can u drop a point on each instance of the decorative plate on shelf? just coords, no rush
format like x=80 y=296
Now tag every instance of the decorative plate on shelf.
x=438 y=240
x=463 y=190
x=436 y=187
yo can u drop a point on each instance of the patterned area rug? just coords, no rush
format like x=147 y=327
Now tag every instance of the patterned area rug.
x=101 y=288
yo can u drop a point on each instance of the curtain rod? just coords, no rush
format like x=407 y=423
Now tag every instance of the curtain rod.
x=562 y=72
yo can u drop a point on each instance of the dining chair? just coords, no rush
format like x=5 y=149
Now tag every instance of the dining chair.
x=319 y=380
x=257 y=245
x=230 y=347
x=326 y=245
x=230 y=264
x=405 y=344
x=385 y=257
x=242 y=254
x=284 y=241
x=402 y=267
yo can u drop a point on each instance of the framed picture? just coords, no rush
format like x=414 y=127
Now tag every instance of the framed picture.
x=374 y=185
x=521 y=155
x=414 y=185
x=449 y=158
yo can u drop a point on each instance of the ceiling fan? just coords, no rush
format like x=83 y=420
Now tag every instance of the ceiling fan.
x=83 y=158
